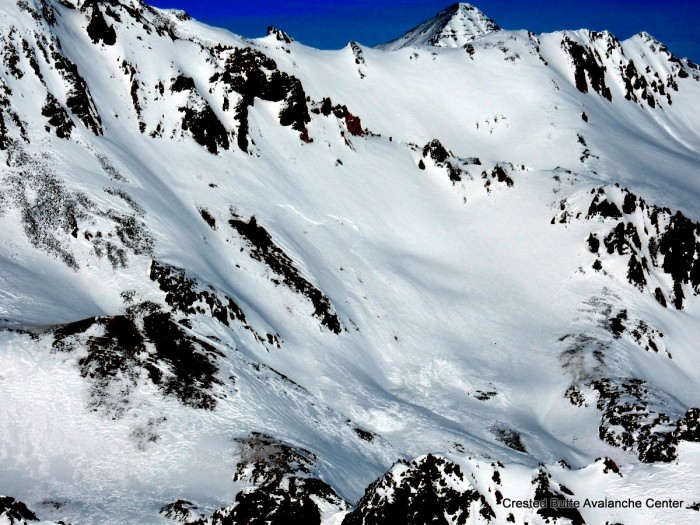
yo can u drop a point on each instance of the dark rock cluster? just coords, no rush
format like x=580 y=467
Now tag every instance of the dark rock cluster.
x=263 y=249
x=146 y=339
x=251 y=74
x=640 y=85
x=15 y=512
x=546 y=491
x=650 y=237
x=57 y=117
x=420 y=492
x=283 y=488
x=634 y=419
x=352 y=122
x=589 y=70
x=185 y=294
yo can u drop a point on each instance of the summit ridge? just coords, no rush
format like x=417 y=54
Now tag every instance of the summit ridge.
x=455 y=26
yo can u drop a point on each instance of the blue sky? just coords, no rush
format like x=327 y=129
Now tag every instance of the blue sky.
x=330 y=25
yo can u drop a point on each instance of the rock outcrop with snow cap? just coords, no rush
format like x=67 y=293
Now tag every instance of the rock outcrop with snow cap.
x=455 y=26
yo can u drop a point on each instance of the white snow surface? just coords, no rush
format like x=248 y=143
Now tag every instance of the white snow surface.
x=456 y=26
x=445 y=290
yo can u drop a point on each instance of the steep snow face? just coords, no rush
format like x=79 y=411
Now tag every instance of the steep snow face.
x=241 y=279
x=456 y=26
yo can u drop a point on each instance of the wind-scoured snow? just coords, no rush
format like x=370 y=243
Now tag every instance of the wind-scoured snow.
x=251 y=279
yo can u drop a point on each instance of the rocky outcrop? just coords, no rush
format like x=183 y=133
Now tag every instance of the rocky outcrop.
x=251 y=74
x=430 y=489
x=284 y=487
x=649 y=237
x=15 y=512
x=145 y=341
x=262 y=248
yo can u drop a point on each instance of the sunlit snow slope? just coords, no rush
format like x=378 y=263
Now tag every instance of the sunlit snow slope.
x=248 y=281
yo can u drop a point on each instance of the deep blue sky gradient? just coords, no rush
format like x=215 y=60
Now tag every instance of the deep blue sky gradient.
x=330 y=25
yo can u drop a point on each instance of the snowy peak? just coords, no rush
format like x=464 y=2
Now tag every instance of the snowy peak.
x=456 y=26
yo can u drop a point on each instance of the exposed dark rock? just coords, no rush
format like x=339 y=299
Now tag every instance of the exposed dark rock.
x=688 y=428
x=610 y=466
x=575 y=397
x=648 y=338
x=279 y=35
x=130 y=70
x=617 y=324
x=654 y=238
x=436 y=151
x=443 y=158
x=11 y=56
x=359 y=57
x=352 y=122
x=208 y=218
x=603 y=207
x=132 y=233
x=633 y=420
x=509 y=437
x=616 y=241
x=680 y=248
x=187 y=295
x=485 y=396
x=264 y=249
x=15 y=511
x=99 y=30
x=364 y=434
x=24 y=6
x=639 y=87
x=593 y=243
x=79 y=99
x=564 y=508
x=205 y=127
x=181 y=511
x=182 y=83
x=678 y=296
x=295 y=112
x=276 y=505
x=635 y=273
x=588 y=67
x=119 y=348
x=635 y=416
x=659 y=295
x=500 y=174
x=630 y=204
x=5 y=140
x=49 y=211
x=423 y=494
x=254 y=75
x=9 y=116
x=58 y=117
x=285 y=488
x=191 y=362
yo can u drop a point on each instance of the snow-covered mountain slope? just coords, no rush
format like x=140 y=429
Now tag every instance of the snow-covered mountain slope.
x=456 y=26
x=248 y=281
